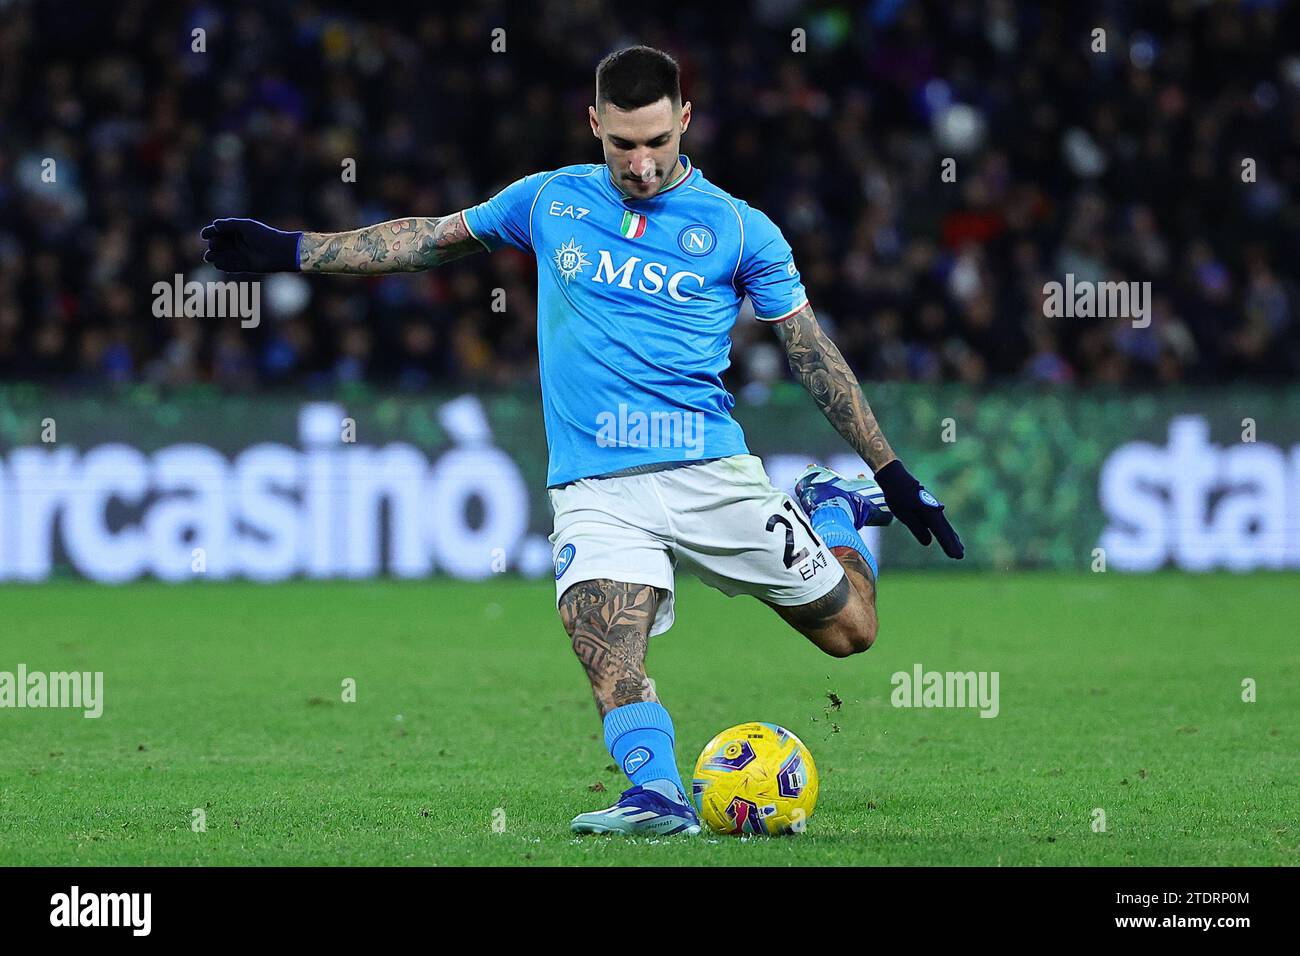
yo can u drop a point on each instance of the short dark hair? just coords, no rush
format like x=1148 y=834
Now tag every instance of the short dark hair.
x=637 y=76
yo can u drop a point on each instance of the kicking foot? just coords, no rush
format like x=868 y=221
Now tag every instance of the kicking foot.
x=861 y=497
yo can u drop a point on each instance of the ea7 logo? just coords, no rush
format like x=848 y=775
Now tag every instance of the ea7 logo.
x=560 y=208
x=654 y=277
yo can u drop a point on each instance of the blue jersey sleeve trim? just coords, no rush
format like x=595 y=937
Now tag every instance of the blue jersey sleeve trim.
x=782 y=318
x=470 y=230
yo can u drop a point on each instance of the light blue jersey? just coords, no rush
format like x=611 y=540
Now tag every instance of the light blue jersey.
x=636 y=299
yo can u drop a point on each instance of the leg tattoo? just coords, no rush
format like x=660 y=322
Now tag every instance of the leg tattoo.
x=609 y=624
x=856 y=570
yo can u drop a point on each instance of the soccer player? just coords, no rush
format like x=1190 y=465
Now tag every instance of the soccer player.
x=642 y=266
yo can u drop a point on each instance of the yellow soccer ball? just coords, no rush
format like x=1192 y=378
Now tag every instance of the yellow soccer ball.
x=755 y=778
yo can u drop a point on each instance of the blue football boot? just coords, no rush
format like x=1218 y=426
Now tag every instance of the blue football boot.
x=641 y=811
x=861 y=497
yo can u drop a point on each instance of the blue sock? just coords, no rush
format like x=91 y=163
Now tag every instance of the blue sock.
x=640 y=739
x=834 y=522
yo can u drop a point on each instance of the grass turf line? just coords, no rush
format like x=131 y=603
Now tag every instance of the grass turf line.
x=1119 y=693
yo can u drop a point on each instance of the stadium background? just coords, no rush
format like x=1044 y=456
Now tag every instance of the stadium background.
x=1116 y=166
x=131 y=443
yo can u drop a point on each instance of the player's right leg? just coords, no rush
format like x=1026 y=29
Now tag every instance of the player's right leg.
x=614 y=581
x=609 y=623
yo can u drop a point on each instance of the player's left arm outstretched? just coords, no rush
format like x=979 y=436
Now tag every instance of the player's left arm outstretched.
x=818 y=364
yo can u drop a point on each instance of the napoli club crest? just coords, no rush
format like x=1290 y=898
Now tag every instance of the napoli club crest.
x=563 y=560
x=696 y=240
x=637 y=759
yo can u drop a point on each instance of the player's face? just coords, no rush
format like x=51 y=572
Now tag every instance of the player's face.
x=641 y=145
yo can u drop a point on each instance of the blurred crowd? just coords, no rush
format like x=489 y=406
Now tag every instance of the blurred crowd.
x=1171 y=157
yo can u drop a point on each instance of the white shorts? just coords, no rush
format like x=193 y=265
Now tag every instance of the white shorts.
x=722 y=519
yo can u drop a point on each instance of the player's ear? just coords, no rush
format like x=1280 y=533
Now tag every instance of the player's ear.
x=594 y=120
x=686 y=115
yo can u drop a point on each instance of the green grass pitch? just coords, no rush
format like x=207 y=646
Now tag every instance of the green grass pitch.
x=1117 y=693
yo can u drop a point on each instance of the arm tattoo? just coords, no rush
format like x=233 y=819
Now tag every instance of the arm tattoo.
x=818 y=364
x=609 y=623
x=401 y=245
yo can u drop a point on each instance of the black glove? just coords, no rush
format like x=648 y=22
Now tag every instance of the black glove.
x=246 y=245
x=917 y=508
